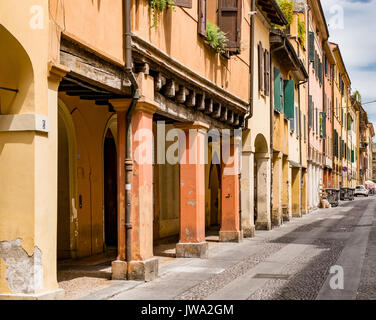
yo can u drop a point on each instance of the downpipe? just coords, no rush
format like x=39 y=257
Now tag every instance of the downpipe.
x=128 y=157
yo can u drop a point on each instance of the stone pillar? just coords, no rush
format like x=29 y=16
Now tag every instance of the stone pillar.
x=230 y=224
x=296 y=192
x=247 y=194
x=192 y=242
x=263 y=194
x=277 y=189
x=142 y=265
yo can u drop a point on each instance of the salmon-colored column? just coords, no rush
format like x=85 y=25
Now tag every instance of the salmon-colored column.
x=230 y=225
x=192 y=242
x=119 y=266
x=142 y=265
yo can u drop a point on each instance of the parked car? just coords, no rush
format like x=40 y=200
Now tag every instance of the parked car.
x=361 y=190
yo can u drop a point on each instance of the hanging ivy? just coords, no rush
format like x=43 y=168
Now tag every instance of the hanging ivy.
x=157 y=7
x=216 y=38
x=301 y=31
x=287 y=8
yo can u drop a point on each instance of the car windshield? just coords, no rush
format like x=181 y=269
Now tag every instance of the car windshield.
x=360 y=187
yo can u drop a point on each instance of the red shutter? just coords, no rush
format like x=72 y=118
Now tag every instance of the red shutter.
x=184 y=3
x=202 y=17
x=229 y=21
x=260 y=67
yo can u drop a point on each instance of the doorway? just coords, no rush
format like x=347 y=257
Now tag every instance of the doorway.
x=110 y=191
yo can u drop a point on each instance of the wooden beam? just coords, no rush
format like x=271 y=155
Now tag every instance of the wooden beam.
x=191 y=99
x=169 y=89
x=201 y=102
x=209 y=106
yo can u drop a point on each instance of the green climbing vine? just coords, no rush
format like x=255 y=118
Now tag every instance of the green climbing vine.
x=216 y=38
x=301 y=31
x=287 y=8
x=157 y=7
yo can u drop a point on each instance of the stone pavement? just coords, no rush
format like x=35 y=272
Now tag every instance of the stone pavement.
x=289 y=262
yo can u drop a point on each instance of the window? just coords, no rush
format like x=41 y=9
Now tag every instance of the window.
x=184 y=3
x=202 y=17
x=260 y=67
x=229 y=21
x=289 y=99
x=310 y=112
x=267 y=73
x=278 y=90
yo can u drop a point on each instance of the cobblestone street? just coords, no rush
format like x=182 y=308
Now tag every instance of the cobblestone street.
x=289 y=262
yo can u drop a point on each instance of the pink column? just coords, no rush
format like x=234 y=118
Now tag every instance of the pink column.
x=230 y=225
x=192 y=242
x=142 y=265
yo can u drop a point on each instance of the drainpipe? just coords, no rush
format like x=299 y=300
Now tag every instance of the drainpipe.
x=128 y=157
x=251 y=63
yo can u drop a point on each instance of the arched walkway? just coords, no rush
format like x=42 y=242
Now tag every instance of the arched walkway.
x=262 y=183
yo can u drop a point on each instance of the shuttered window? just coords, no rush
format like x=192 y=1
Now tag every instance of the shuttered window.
x=289 y=98
x=311 y=43
x=202 y=17
x=335 y=143
x=352 y=156
x=229 y=21
x=323 y=125
x=317 y=121
x=184 y=3
x=260 y=67
x=278 y=90
x=310 y=112
x=267 y=72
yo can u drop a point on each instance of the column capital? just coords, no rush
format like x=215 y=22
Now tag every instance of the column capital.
x=199 y=125
x=146 y=105
x=56 y=71
x=121 y=104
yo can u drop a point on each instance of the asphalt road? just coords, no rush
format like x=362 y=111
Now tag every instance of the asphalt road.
x=308 y=258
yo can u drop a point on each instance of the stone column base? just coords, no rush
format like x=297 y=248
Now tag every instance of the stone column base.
x=192 y=250
x=249 y=232
x=119 y=270
x=297 y=215
x=230 y=236
x=57 y=294
x=263 y=226
x=146 y=270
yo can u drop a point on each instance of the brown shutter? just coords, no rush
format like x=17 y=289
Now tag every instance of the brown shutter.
x=202 y=17
x=184 y=3
x=267 y=72
x=229 y=21
x=260 y=67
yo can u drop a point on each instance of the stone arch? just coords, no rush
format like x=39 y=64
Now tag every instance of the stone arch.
x=16 y=73
x=262 y=184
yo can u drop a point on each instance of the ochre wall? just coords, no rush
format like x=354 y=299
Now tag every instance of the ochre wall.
x=177 y=36
x=96 y=24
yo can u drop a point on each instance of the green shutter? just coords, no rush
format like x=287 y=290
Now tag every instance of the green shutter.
x=323 y=125
x=277 y=90
x=352 y=156
x=311 y=46
x=289 y=98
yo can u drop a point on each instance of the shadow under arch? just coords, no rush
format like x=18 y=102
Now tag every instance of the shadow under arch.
x=16 y=72
x=67 y=132
x=110 y=205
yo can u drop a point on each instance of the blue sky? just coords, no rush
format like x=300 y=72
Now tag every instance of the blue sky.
x=355 y=34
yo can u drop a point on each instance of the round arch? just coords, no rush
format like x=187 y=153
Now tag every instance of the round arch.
x=17 y=74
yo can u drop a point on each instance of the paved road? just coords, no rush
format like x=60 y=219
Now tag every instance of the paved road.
x=289 y=262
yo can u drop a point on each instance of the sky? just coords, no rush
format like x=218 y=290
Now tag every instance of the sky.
x=352 y=24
